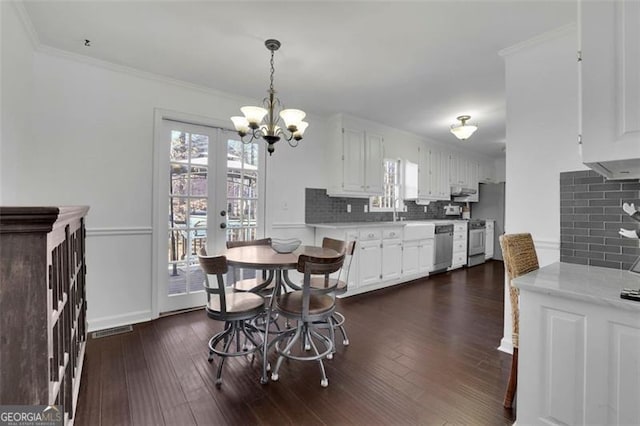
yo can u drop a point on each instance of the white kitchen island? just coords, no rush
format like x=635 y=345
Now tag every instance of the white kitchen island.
x=579 y=357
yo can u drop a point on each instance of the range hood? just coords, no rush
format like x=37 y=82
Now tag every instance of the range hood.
x=459 y=191
x=617 y=169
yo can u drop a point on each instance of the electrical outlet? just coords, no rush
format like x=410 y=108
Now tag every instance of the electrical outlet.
x=348 y=208
x=425 y=209
x=366 y=208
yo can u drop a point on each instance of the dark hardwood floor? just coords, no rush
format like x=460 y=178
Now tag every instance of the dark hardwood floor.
x=421 y=353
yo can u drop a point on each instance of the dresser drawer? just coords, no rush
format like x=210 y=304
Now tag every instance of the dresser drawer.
x=460 y=228
x=459 y=259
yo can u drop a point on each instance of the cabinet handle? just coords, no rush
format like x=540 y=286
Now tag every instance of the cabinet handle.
x=371 y=235
x=393 y=234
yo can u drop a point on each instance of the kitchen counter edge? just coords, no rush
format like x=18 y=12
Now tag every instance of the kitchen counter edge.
x=592 y=284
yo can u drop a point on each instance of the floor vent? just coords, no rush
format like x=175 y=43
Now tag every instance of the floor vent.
x=111 y=331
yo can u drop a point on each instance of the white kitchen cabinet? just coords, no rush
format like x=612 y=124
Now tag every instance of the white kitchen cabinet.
x=459 y=254
x=370 y=256
x=417 y=257
x=426 y=256
x=579 y=354
x=433 y=175
x=391 y=254
x=356 y=159
x=487 y=172
x=464 y=173
x=610 y=87
x=411 y=258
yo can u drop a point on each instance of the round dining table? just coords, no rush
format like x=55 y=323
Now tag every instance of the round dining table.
x=263 y=257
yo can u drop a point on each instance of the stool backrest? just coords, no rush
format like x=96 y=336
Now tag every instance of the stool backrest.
x=519 y=254
x=214 y=266
x=261 y=242
x=309 y=265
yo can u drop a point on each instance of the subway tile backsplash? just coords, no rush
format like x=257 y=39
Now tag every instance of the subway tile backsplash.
x=320 y=208
x=590 y=217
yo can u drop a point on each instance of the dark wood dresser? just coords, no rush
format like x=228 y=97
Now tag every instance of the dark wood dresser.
x=43 y=305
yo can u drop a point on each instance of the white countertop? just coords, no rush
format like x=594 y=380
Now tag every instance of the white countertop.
x=585 y=283
x=338 y=225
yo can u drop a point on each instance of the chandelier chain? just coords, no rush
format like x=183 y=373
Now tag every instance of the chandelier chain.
x=272 y=72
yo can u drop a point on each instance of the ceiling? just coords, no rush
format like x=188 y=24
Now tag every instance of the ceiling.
x=410 y=65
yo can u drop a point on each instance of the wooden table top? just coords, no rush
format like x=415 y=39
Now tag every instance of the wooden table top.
x=264 y=257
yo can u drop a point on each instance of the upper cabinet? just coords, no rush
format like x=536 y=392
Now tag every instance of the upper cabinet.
x=356 y=159
x=433 y=175
x=464 y=174
x=488 y=172
x=610 y=87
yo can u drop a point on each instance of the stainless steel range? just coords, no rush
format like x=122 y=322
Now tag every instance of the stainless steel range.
x=476 y=242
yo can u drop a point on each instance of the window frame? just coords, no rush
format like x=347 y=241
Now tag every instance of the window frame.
x=397 y=196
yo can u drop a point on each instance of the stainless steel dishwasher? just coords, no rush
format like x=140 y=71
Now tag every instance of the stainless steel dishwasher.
x=443 y=247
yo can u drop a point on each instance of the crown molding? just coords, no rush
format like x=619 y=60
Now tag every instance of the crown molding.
x=25 y=19
x=539 y=39
x=135 y=72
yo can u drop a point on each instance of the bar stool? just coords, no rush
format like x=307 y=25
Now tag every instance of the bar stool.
x=520 y=257
x=339 y=284
x=311 y=308
x=235 y=309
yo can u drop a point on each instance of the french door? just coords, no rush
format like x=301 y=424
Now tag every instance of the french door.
x=210 y=191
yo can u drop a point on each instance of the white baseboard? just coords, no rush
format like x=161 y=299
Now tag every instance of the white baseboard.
x=118 y=320
x=506 y=346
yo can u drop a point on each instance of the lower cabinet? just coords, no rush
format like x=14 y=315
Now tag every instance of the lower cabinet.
x=382 y=258
x=370 y=262
x=391 y=254
x=411 y=258
x=417 y=257
x=426 y=256
x=459 y=254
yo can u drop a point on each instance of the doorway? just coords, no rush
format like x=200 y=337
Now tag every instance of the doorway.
x=208 y=190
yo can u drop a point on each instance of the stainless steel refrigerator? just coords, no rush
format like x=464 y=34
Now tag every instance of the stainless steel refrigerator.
x=490 y=205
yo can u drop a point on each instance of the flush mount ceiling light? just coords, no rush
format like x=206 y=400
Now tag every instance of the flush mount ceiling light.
x=263 y=122
x=463 y=130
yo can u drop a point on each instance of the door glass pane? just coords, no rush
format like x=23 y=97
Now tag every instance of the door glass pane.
x=188 y=206
x=199 y=181
x=242 y=190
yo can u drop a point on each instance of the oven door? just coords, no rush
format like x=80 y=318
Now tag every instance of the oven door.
x=476 y=241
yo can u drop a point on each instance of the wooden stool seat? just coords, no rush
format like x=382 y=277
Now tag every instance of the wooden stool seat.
x=291 y=303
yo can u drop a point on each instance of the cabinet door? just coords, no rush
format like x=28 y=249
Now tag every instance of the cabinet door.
x=373 y=163
x=370 y=262
x=610 y=80
x=436 y=160
x=424 y=173
x=473 y=178
x=391 y=259
x=410 y=258
x=444 y=186
x=426 y=257
x=353 y=160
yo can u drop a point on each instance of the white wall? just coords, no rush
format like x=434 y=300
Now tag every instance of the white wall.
x=542 y=128
x=92 y=143
x=15 y=85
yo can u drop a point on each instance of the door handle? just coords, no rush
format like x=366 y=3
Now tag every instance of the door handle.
x=223 y=225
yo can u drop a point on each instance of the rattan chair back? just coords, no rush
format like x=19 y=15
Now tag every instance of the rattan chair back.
x=519 y=254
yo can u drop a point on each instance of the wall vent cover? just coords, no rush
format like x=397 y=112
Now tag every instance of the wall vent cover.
x=111 y=331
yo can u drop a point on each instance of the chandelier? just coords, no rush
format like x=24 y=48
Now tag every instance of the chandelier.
x=463 y=130
x=263 y=123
